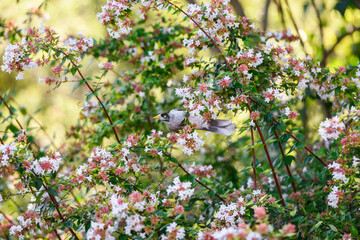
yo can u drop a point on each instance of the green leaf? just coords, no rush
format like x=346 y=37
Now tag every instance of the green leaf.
x=257 y=145
x=190 y=178
x=68 y=223
x=118 y=122
x=13 y=129
x=300 y=136
x=321 y=152
x=53 y=192
x=174 y=160
x=292 y=148
x=288 y=159
x=38 y=183
x=73 y=70
x=293 y=212
x=284 y=137
x=300 y=145
x=89 y=96
x=353 y=230
x=308 y=159
x=281 y=127
x=39 y=196
x=342 y=5
x=333 y=228
x=211 y=194
x=318 y=225
x=272 y=140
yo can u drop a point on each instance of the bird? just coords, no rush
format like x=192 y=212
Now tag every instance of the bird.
x=176 y=120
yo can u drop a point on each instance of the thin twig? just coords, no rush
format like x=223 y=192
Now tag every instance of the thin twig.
x=202 y=184
x=253 y=155
x=338 y=40
x=295 y=25
x=207 y=35
x=286 y=165
x=280 y=10
x=321 y=29
x=93 y=92
x=312 y=219
x=269 y=158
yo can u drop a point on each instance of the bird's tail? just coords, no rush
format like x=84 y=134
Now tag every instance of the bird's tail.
x=223 y=127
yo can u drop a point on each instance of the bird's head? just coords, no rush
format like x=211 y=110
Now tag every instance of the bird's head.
x=163 y=117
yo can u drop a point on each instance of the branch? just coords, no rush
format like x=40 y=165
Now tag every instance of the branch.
x=338 y=40
x=206 y=34
x=202 y=184
x=280 y=10
x=93 y=92
x=269 y=158
x=320 y=26
x=253 y=155
x=266 y=14
x=238 y=7
x=295 y=25
x=287 y=166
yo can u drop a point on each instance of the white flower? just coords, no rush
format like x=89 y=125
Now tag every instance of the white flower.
x=356 y=161
x=333 y=197
x=331 y=128
x=182 y=189
x=172 y=227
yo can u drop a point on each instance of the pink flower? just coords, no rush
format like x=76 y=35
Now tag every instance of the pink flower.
x=225 y=82
x=288 y=228
x=57 y=70
x=346 y=236
x=290 y=114
x=260 y=213
x=135 y=197
x=178 y=210
x=255 y=115
x=108 y=66
x=262 y=228
x=203 y=87
x=168 y=173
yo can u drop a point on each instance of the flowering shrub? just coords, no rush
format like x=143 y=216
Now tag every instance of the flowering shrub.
x=118 y=176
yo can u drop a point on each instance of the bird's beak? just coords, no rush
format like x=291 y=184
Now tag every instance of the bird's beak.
x=156 y=117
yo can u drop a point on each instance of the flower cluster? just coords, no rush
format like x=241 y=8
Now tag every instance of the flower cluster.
x=174 y=232
x=116 y=12
x=28 y=224
x=230 y=214
x=79 y=44
x=99 y=230
x=190 y=142
x=331 y=128
x=201 y=170
x=291 y=114
x=48 y=164
x=338 y=172
x=182 y=189
x=334 y=197
x=16 y=58
x=89 y=108
x=6 y=153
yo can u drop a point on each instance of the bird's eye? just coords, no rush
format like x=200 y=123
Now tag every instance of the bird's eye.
x=164 y=116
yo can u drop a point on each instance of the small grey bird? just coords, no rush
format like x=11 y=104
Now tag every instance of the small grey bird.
x=176 y=120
